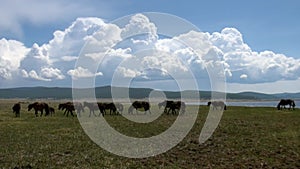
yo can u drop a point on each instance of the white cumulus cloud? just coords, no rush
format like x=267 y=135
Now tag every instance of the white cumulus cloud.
x=11 y=54
x=144 y=57
x=81 y=72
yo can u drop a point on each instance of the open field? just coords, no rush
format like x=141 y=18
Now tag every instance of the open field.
x=245 y=138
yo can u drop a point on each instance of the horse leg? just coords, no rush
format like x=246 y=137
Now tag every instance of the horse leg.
x=42 y=113
x=169 y=111
x=165 y=110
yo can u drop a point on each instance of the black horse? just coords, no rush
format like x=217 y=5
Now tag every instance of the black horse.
x=39 y=106
x=284 y=102
x=216 y=104
x=174 y=106
x=139 y=105
x=16 y=109
x=114 y=108
x=67 y=107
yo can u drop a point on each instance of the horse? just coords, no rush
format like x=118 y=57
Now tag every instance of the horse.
x=92 y=107
x=119 y=107
x=284 y=102
x=173 y=106
x=68 y=107
x=138 y=105
x=51 y=111
x=216 y=104
x=79 y=108
x=111 y=106
x=39 y=106
x=16 y=109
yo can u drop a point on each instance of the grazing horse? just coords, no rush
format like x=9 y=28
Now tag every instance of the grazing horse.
x=92 y=107
x=119 y=107
x=284 y=102
x=79 y=108
x=138 y=105
x=111 y=106
x=16 y=109
x=68 y=107
x=39 y=106
x=51 y=111
x=216 y=104
x=173 y=106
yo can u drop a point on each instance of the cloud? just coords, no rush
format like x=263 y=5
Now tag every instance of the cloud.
x=11 y=54
x=265 y=66
x=243 y=76
x=52 y=73
x=14 y=13
x=33 y=75
x=139 y=25
x=46 y=74
x=81 y=72
x=144 y=57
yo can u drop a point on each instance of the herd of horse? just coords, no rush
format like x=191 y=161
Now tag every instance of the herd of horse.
x=175 y=107
x=170 y=107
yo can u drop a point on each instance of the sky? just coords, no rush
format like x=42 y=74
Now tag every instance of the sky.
x=255 y=42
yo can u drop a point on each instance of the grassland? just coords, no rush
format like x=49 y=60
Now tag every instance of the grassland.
x=245 y=138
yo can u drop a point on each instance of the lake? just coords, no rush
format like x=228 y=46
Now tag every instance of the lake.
x=248 y=103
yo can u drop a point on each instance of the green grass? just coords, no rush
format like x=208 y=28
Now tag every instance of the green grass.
x=245 y=138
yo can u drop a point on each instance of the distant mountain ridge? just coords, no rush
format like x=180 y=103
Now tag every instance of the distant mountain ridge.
x=138 y=93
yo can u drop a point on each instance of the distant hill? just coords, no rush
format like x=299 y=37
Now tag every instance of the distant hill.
x=138 y=93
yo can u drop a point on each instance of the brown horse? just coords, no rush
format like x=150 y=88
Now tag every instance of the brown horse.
x=39 y=106
x=174 y=106
x=216 y=104
x=51 y=111
x=139 y=105
x=16 y=109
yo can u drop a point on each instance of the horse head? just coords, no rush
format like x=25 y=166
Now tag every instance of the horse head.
x=60 y=106
x=162 y=104
x=30 y=106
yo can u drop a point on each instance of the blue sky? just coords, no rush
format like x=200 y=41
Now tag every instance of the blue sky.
x=263 y=25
